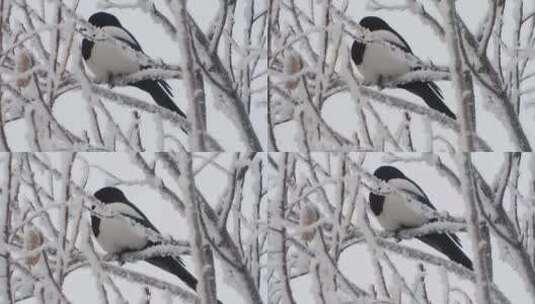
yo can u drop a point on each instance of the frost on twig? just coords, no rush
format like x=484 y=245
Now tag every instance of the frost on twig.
x=352 y=256
x=43 y=79
x=48 y=241
x=312 y=103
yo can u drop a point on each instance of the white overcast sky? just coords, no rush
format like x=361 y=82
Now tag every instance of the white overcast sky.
x=355 y=261
x=80 y=285
x=339 y=110
x=70 y=109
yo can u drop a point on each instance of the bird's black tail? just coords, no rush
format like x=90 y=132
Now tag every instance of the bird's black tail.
x=431 y=94
x=175 y=266
x=446 y=244
x=160 y=92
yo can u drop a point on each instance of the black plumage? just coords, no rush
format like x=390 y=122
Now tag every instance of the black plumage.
x=122 y=207
x=428 y=91
x=111 y=61
x=393 y=211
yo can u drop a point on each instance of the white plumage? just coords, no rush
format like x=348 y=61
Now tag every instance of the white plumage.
x=118 y=232
x=107 y=58
x=399 y=211
x=381 y=58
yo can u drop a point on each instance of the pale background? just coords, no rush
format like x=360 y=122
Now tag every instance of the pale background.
x=70 y=109
x=340 y=110
x=355 y=262
x=80 y=285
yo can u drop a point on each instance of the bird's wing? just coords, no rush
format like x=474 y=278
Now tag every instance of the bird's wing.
x=403 y=41
x=133 y=41
x=420 y=195
x=410 y=187
x=122 y=34
x=142 y=221
x=392 y=37
x=132 y=212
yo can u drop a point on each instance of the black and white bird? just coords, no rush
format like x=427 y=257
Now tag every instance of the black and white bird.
x=409 y=207
x=106 y=60
x=380 y=55
x=116 y=232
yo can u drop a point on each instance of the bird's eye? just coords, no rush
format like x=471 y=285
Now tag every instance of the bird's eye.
x=93 y=207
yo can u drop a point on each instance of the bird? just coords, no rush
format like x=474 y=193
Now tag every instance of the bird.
x=394 y=212
x=380 y=54
x=107 y=60
x=117 y=233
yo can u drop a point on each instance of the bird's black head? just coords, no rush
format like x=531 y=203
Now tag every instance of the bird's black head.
x=373 y=23
x=387 y=173
x=102 y=19
x=110 y=195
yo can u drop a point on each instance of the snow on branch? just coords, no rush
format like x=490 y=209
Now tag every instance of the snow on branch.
x=40 y=56
x=48 y=235
x=490 y=77
x=326 y=224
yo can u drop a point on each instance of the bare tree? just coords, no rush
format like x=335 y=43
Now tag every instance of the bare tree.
x=43 y=69
x=331 y=255
x=45 y=212
x=309 y=58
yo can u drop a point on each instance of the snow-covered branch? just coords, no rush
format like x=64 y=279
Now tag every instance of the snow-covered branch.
x=48 y=200
x=42 y=79
x=326 y=225
x=302 y=71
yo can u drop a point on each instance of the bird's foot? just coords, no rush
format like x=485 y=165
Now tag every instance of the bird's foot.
x=380 y=82
x=111 y=81
x=396 y=236
x=120 y=259
x=125 y=256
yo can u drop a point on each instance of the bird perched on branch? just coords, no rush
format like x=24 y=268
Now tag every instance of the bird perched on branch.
x=118 y=234
x=409 y=207
x=106 y=60
x=381 y=54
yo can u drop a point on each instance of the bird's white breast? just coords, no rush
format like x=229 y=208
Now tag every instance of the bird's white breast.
x=397 y=211
x=381 y=59
x=108 y=59
x=118 y=233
